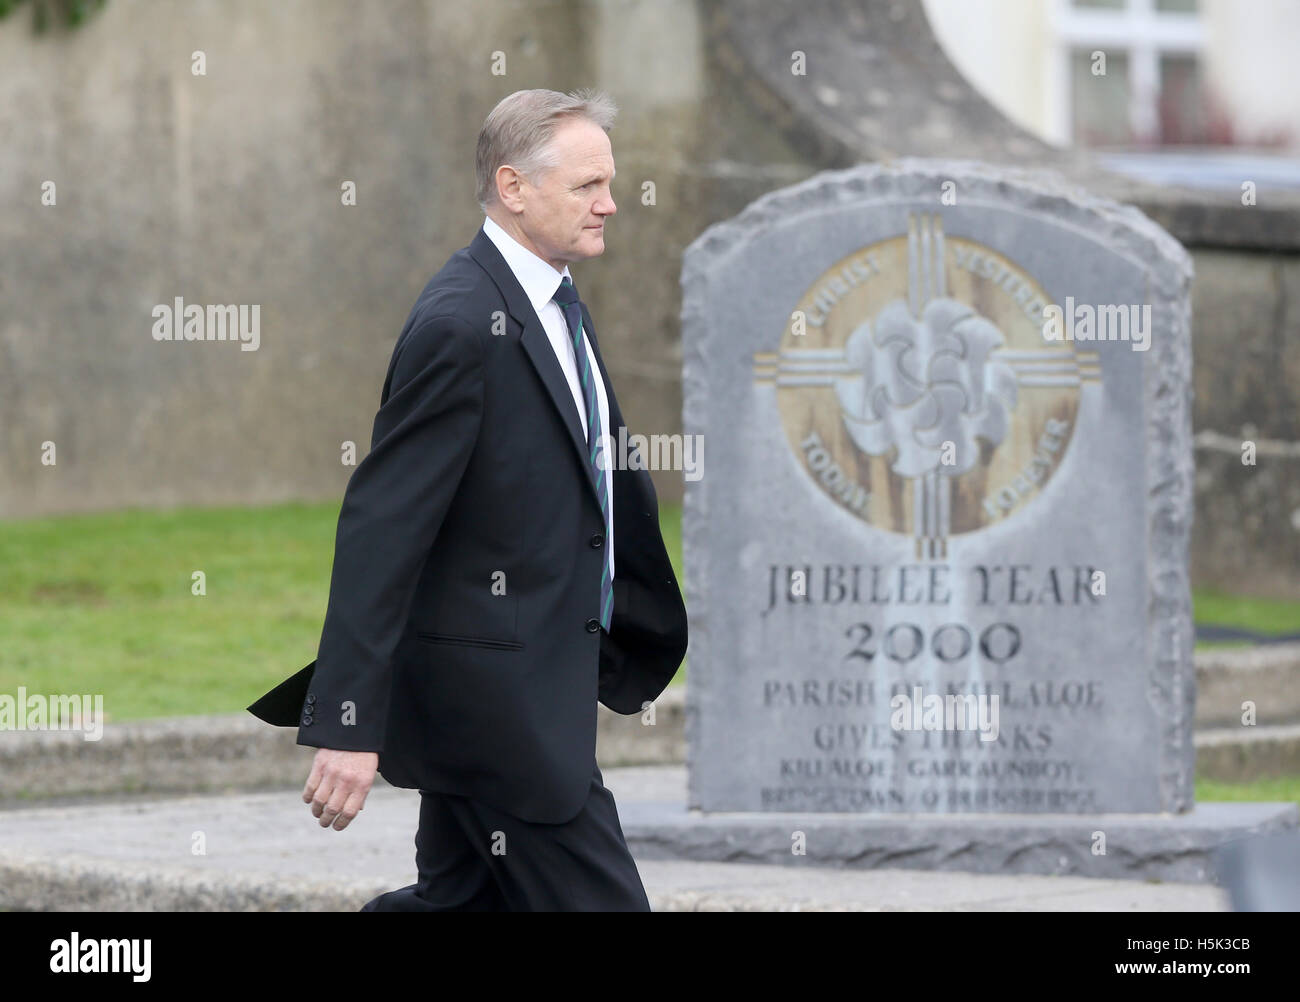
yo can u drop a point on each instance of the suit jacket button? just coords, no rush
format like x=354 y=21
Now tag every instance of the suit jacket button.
x=597 y=541
x=593 y=625
x=307 y=721
x=311 y=698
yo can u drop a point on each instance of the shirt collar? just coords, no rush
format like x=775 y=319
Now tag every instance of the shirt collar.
x=538 y=279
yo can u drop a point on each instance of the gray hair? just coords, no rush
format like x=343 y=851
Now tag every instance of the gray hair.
x=518 y=132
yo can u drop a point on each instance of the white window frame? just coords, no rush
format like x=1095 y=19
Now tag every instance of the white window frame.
x=1142 y=33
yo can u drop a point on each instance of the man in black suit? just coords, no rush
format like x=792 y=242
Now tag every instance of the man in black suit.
x=497 y=569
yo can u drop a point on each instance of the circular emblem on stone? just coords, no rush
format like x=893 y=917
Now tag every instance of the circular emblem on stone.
x=917 y=390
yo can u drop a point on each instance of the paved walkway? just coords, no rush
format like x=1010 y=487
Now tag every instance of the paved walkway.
x=266 y=851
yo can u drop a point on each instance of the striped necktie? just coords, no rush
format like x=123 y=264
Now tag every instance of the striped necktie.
x=567 y=297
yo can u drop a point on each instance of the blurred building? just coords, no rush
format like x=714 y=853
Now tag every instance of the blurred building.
x=1198 y=92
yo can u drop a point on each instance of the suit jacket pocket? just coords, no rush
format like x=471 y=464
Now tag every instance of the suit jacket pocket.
x=447 y=638
x=463 y=604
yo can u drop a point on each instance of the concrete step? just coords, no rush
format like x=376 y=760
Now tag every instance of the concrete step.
x=265 y=852
x=1241 y=754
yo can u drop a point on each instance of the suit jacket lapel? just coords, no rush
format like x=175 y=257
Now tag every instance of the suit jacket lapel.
x=538 y=348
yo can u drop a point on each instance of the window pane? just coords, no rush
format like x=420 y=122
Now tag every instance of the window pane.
x=1099 y=101
x=1182 y=109
x=1178 y=6
x=1113 y=4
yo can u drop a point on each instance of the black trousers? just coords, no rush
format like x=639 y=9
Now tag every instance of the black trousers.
x=472 y=857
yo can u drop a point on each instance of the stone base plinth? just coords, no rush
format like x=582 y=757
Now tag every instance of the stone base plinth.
x=1165 y=847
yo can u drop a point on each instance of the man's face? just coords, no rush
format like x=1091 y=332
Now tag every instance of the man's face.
x=564 y=210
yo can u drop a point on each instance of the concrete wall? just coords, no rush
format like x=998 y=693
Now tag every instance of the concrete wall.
x=225 y=188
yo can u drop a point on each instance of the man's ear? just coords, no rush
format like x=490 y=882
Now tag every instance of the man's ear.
x=508 y=182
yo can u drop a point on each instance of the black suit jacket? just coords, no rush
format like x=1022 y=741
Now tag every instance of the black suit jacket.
x=461 y=641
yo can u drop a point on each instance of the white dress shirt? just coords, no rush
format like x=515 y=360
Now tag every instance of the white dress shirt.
x=540 y=281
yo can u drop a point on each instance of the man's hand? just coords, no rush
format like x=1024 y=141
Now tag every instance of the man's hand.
x=338 y=784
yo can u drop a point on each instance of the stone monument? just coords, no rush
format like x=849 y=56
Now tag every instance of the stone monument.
x=936 y=566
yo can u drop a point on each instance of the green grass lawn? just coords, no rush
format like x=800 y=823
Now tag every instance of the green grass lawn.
x=1262 y=615
x=1256 y=791
x=102 y=604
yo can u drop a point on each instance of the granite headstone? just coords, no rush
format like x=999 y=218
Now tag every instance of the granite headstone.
x=937 y=562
